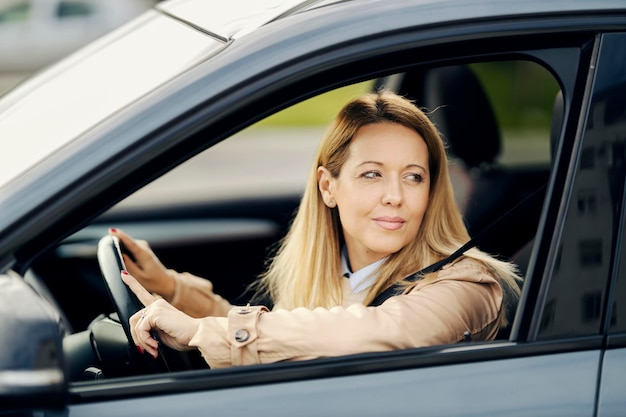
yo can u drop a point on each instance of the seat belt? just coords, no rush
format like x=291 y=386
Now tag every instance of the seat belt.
x=498 y=225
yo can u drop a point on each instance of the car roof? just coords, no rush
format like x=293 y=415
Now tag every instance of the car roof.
x=235 y=18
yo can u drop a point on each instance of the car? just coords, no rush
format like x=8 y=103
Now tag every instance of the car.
x=37 y=33
x=165 y=127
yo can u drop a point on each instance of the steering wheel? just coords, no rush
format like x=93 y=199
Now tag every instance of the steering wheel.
x=126 y=304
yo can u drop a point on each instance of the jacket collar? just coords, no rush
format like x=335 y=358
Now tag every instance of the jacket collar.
x=362 y=279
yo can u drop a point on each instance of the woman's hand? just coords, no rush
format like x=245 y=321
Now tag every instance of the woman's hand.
x=174 y=328
x=144 y=265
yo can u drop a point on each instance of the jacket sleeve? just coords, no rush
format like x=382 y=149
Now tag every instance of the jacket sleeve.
x=464 y=297
x=194 y=296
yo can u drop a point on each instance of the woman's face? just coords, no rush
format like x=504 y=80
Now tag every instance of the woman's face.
x=381 y=192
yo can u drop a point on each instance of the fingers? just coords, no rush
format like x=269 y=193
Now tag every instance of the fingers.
x=142 y=294
x=143 y=264
x=130 y=264
x=140 y=329
x=133 y=246
x=174 y=328
x=140 y=323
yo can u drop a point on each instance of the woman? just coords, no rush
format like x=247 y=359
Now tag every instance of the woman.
x=378 y=206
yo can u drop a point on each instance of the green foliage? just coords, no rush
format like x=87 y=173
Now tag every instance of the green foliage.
x=317 y=111
x=522 y=93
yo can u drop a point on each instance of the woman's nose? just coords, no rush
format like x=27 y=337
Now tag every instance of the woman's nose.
x=392 y=194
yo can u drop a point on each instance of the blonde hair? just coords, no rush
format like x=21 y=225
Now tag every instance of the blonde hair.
x=305 y=270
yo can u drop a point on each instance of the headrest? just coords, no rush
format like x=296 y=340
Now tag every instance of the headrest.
x=463 y=114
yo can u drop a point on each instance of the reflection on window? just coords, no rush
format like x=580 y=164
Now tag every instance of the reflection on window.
x=592 y=306
x=615 y=110
x=547 y=319
x=613 y=319
x=578 y=288
x=587 y=158
x=587 y=201
x=590 y=252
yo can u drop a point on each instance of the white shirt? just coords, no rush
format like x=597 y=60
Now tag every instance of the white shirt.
x=359 y=282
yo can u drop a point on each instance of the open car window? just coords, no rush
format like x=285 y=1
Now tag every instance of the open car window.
x=220 y=214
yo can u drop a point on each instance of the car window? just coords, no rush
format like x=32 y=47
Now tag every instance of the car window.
x=272 y=157
x=577 y=295
x=237 y=198
x=613 y=100
x=521 y=119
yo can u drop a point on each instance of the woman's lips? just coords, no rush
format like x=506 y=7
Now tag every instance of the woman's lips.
x=390 y=223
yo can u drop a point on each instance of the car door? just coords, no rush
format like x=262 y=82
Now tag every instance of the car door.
x=549 y=366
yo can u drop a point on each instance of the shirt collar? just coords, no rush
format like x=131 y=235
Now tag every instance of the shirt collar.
x=362 y=279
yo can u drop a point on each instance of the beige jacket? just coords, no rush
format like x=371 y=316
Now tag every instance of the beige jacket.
x=463 y=296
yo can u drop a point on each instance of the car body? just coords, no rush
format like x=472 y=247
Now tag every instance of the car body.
x=146 y=146
x=36 y=33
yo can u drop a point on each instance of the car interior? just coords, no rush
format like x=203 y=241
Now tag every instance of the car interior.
x=492 y=173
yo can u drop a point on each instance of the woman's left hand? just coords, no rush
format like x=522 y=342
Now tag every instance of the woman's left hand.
x=173 y=327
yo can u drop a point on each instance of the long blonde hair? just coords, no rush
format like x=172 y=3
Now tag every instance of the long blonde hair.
x=305 y=269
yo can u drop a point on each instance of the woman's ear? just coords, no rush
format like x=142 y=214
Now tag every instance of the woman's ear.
x=324 y=183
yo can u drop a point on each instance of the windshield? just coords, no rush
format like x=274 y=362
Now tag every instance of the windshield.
x=58 y=105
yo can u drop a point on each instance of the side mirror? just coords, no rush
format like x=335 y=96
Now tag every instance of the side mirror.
x=32 y=368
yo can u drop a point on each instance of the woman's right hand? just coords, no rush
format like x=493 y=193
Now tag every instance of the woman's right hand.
x=145 y=266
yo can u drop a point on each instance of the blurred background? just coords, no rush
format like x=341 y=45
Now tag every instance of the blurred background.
x=36 y=33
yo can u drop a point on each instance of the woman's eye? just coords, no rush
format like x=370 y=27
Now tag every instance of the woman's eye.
x=415 y=177
x=370 y=174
